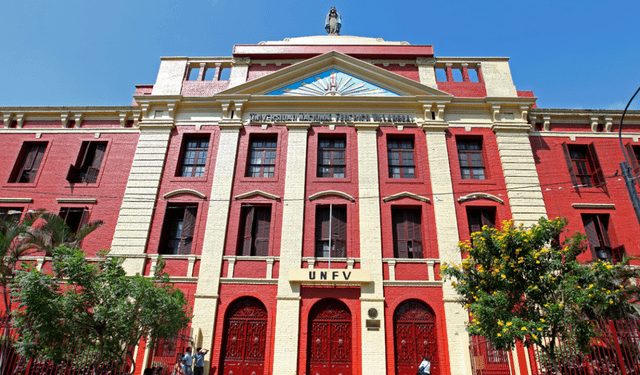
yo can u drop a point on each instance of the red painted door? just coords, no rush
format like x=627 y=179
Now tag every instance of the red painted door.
x=329 y=339
x=415 y=336
x=245 y=338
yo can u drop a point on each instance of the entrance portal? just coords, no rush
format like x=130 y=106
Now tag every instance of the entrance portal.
x=415 y=336
x=329 y=346
x=244 y=338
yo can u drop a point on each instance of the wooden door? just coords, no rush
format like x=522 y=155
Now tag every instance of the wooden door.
x=245 y=338
x=329 y=347
x=414 y=336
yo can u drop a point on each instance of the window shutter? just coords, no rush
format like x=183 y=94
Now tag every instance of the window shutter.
x=94 y=169
x=567 y=157
x=590 y=229
x=597 y=176
x=602 y=223
x=322 y=226
x=84 y=219
x=339 y=232
x=98 y=156
x=475 y=221
x=188 y=225
x=248 y=231
x=631 y=154
x=36 y=162
x=414 y=233
x=72 y=174
x=263 y=223
x=488 y=218
x=400 y=233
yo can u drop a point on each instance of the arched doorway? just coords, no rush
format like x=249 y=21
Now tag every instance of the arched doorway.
x=414 y=329
x=329 y=346
x=244 y=341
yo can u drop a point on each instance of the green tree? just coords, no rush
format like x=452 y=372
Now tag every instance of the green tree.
x=51 y=230
x=13 y=245
x=524 y=284
x=94 y=308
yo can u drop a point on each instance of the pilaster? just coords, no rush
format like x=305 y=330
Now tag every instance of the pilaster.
x=520 y=173
x=206 y=297
x=139 y=201
x=371 y=294
x=444 y=208
x=285 y=351
x=427 y=71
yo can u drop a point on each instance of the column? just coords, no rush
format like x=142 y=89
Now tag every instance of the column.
x=206 y=297
x=447 y=233
x=285 y=351
x=132 y=230
x=372 y=294
x=520 y=173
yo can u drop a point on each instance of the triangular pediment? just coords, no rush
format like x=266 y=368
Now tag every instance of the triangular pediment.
x=333 y=82
x=308 y=77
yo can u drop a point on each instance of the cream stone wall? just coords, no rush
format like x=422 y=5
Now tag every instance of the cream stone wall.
x=285 y=350
x=444 y=207
x=427 y=72
x=132 y=229
x=170 y=76
x=239 y=71
x=371 y=294
x=520 y=174
x=497 y=79
x=206 y=297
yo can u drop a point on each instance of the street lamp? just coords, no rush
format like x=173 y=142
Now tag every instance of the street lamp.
x=629 y=179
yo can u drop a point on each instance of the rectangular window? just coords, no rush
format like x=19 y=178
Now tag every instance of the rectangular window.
x=177 y=231
x=75 y=217
x=262 y=158
x=479 y=217
x=407 y=234
x=633 y=153
x=255 y=226
x=194 y=157
x=471 y=160
x=584 y=167
x=331 y=231
x=601 y=238
x=10 y=213
x=331 y=157
x=88 y=163
x=26 y=168
x=400 y=153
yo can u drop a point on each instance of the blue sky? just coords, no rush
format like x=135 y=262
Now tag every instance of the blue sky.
x=572 y=54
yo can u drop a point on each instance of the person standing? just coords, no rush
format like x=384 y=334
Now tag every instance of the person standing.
x=198 y=366
x=187 y=360
x=425 y=366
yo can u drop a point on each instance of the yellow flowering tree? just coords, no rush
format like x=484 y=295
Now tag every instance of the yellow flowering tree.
x=526 y=284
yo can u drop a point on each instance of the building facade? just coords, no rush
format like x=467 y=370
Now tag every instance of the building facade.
x=304 y=193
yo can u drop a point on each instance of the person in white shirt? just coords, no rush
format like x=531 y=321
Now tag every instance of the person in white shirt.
x=425 y=366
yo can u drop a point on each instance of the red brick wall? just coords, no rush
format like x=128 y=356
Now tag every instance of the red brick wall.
x=62 y=151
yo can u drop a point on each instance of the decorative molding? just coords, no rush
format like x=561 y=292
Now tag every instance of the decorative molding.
x=16 y=200
x=480 y=195
x=202 y=295
x=406 y=194
x=331 y=192
x=184 y=191
x=258 y=192
x=77 y=200
x=608 y=206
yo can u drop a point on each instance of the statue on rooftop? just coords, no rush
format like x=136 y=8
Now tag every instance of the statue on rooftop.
x=332 y=22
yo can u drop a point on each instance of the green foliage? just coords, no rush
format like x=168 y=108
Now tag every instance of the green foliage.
x=13 y=245
x=524 y=284
x=94 y=307
x=51 y=230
